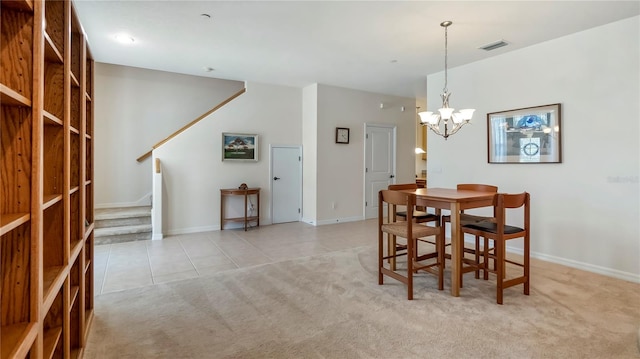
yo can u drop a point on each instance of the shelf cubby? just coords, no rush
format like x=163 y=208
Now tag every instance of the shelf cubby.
x=53 y=256
x=53 y=175
x=16 y=37
x=15 y=319
x=76 y=47
x=76 y=235
x=54 y=89
x=75 y=321
x=74 y=120
x=89 y=160
x=17 y=339
x=88 y=278
x=88 y=214
x=15 y=142
x=54 y=14
x=89 y=75
x=76 y=159
x=52 y=328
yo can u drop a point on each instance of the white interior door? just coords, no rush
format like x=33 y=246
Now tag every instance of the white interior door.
x=286 y=184
x=380 y=164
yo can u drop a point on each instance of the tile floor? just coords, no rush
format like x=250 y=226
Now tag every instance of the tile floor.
x=136 y=264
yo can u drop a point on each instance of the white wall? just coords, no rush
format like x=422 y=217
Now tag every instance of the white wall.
x=128 y=124
x=309 y=153
x=193 y=170
x=135 y=109
x=340 y=167
x=585 y=211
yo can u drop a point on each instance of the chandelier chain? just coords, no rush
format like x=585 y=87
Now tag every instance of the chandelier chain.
x=445 y=58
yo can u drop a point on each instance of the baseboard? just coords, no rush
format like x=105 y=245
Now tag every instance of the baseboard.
x=173 y=232
x=609 y=272
x=338 y=220
x=156 y=237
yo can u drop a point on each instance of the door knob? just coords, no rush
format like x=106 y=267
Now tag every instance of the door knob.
x=391 y=176
x=276 y=178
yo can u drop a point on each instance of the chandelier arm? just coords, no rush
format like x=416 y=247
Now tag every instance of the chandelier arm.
x=435 y=129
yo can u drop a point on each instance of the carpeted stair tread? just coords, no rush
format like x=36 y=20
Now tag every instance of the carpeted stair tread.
x=114 y=231
x=124 y=212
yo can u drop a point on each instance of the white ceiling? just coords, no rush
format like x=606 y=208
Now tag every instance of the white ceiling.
x=380 y=46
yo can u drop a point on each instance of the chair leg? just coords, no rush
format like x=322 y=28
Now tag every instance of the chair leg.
x=440 y=248
x=391 y=248
x=380 y=256
x=410 y=261
x=500 y=248
x=486 y=259
x=526 y=265
x=477 y=257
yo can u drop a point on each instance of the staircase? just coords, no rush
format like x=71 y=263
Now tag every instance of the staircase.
x=127 y=224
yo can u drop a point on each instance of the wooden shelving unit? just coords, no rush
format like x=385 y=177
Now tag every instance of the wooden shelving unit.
x=46 y=174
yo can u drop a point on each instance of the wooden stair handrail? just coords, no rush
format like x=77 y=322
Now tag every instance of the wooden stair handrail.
x=185 y=127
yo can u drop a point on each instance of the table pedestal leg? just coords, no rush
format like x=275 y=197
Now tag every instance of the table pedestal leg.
x=456 y=250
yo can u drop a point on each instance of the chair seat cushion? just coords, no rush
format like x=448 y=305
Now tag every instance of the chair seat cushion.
x=419 y=215
x=492 y=227
x=400 y=229
x=466 y=218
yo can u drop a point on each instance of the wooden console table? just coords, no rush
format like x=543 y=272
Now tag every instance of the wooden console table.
x=240 y=192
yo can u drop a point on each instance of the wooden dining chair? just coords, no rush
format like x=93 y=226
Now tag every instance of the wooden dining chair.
x=418 y=217
x=412 y=232
x=499 y=232
x=469 y=265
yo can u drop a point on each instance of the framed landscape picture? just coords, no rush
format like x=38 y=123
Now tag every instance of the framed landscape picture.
x=525 y=135
x=239 y=147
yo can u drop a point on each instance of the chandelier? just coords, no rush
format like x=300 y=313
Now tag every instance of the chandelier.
x=446 y=114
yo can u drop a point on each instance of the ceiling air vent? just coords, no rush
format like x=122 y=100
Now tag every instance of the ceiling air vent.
x=494 y=45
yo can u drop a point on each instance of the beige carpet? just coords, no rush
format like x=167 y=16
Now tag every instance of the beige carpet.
x=330 y=306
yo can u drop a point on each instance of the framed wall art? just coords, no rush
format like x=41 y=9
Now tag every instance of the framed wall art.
x=525 y=135
x=239 y=147
x=342 y=135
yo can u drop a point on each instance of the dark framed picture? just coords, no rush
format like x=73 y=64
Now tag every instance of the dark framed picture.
x=342 y=135
x=239 y=147
x=525 y=135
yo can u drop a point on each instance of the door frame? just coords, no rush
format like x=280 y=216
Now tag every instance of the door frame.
x=394 y=150
x=271 y=148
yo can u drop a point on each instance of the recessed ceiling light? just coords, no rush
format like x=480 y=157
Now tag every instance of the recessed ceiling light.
x=124 y=38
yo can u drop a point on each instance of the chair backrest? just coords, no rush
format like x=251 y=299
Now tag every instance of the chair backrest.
x=506 y=201
x=402 y=186
x=477 y=187
x=395 y=198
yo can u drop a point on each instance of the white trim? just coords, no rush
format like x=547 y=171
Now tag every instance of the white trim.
x=189 y=230
x=609 y=272
x=339 y=220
